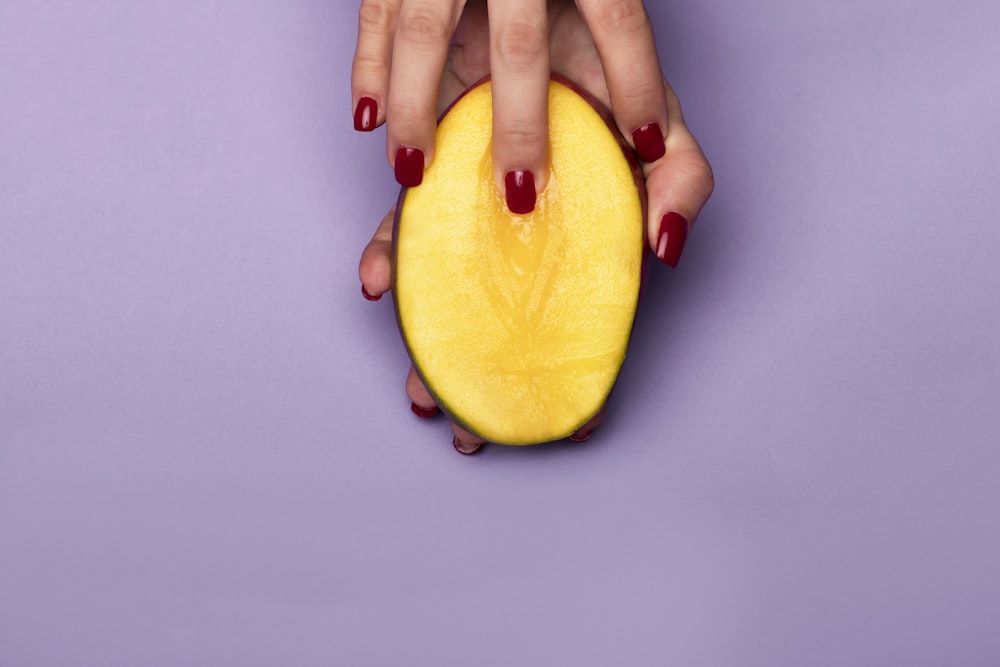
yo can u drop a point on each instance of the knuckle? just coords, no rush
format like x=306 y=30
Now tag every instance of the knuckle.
x=697 y=174
x=377 y=16
x=621 y=17
x=520 y=45
x=369 y=64
x=425 y=25
x=641 y=94
x=408 y=113
x=522 y=136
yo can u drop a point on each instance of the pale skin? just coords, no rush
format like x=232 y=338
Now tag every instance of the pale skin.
x=605 y=46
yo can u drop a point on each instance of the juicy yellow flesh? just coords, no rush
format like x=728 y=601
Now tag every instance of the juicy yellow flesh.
x=518 y=324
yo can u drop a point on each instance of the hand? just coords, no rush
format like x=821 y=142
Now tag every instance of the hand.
x=403 y=47
x=678 y=183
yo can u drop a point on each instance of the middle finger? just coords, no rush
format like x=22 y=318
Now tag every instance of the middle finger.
x=519 y=63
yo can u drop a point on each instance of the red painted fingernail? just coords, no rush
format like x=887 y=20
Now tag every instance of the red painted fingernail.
x=468 y=450
x=648 y=141
x=670 y=240
x=409 y=166
x=366 y=115
x=370 y=297
x=520 y=191
x=582 y=437
x=423 y=413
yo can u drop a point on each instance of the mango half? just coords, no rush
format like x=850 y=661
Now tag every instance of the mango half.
x=519 y=324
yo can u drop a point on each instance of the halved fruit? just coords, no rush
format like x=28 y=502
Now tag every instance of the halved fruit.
x=518 y=324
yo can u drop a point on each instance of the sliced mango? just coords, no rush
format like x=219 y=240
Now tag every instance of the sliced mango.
x=518 y=324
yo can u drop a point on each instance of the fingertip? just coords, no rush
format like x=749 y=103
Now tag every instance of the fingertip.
x=417 y=391
x=585 y=432
x=466 y=448
x=423 y=413
x=671 y=237
x=409 y=165
x=521 y=162
x=375 y=265
x=521 y=194
x=368 y=295
x=366 y=114
x=465 y=442
x=374 y=270
x=649 y=143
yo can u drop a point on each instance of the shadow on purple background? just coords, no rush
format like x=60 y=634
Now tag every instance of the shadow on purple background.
x=206 y=455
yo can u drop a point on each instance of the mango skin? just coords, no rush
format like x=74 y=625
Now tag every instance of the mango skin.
x=639 y=181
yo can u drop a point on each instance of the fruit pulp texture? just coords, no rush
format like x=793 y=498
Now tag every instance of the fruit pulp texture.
x=518 y=324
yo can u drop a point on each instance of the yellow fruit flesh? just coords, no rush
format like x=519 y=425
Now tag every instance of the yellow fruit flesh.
x=518 y=324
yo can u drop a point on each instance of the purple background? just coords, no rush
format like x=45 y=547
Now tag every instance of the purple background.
x=206 y=454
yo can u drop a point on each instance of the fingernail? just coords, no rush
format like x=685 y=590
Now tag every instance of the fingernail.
x=423 y=413
x=463 y=448
x=366 y=115
x=582 y=437
x=370 y=297
x=670 y=240
x=409 y=166
x=520 y=191
x=648 y=141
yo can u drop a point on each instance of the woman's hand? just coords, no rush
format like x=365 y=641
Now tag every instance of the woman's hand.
x=678 y=181
x=403 y=47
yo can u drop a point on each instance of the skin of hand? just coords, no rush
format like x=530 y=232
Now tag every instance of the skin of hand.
x=678 y=182
x=404 y=45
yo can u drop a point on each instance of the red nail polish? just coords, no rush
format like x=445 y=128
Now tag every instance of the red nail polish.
x=670 y=239
x=648 y=141
x=422 y=412
x=370 y=297
x=520 y=191
x=409 y=166
x=458 y=444
x=366 y=115
x=581 y=437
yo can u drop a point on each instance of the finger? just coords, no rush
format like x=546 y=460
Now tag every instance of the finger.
x=583 y=433
x=421 y=402
x=375 y=267
x=465 y=442
x=372 y=58
x=678 y=185
x=519 y=64
x=624 y=38
x=420 y=47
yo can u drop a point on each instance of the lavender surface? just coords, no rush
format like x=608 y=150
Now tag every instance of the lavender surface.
x=206 y=453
